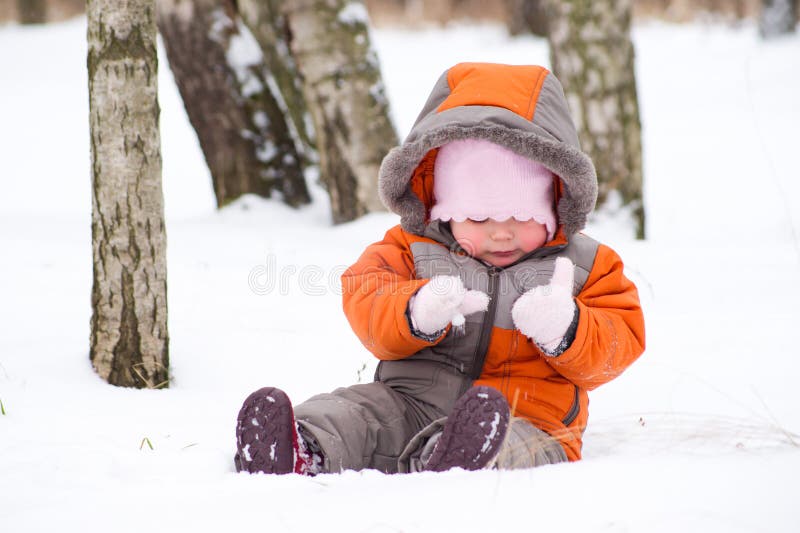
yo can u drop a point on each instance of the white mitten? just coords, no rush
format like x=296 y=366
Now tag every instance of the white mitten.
x=545 y=313
x=443 y=300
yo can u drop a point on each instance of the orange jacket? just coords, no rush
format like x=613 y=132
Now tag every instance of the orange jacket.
x=498 y=103
x=548 y=391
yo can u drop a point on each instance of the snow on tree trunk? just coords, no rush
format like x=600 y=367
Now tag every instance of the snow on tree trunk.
x=129 y=339
x=345 y=96
x=222 y=78
x=778 y=17
x=270 y=28
x=592 y=55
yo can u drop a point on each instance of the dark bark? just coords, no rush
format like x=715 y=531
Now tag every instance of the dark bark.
x=270 y=27
x=241 y=128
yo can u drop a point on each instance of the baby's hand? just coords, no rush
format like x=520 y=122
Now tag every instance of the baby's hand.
x=442 y=300
x=545 y=313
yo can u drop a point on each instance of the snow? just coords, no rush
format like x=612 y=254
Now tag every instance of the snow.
x=487 y=443
x=242 y=52
x=353 y=13
x=701 y=434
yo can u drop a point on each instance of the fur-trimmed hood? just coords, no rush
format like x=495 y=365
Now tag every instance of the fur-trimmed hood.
x=520 y=107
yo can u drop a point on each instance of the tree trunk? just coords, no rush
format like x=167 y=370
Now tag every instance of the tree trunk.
x=32 y=11
x=526 y=16
x=223 y=82
x=592 y=55
x=778 y=17
x=270 y=28
x=129 y=339
x=342 y=85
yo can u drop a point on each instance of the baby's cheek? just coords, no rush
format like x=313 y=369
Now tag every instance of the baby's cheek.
x=533 y=238
x=469 y=239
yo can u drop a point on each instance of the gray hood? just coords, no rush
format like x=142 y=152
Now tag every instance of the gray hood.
x=520 y=107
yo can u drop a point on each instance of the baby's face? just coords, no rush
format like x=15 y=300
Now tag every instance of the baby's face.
x=499 y=243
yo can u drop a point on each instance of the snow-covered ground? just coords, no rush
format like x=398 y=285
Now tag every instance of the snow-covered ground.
x=701 y=434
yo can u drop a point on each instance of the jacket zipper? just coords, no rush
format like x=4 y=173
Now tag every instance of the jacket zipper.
x=572 y=414
x=486 y=328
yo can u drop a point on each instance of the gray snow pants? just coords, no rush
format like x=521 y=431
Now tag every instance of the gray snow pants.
x=374 y=426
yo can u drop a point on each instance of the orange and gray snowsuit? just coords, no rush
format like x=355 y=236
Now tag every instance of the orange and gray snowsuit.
x=522 y=108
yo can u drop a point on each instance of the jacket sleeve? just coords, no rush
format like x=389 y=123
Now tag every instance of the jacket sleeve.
x=375 y=295
x=610 y=334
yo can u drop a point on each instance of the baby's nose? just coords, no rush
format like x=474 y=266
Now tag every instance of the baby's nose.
x=501 y=233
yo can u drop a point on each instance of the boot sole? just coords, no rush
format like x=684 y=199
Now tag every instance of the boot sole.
x=474 y=432
x=265 y=433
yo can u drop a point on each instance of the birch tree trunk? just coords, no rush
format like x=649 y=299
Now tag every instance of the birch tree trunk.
x=129 y=338
x=592 y=55
x=344 y=93
x=222 y=78
x=268 y=23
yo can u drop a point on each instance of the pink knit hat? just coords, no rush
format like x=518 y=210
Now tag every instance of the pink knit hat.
x=477 y=179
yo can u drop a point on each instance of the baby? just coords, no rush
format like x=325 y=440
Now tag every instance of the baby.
x=491 y=314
